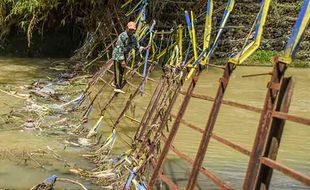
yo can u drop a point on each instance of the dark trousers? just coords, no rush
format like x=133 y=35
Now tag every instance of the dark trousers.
x=118 y=74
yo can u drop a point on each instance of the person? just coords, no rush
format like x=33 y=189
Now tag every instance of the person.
x=125 y=42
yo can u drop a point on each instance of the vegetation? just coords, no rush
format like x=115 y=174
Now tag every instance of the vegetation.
x=27 y=22
x=44 y=15
x=36 y=20
x=263 y=56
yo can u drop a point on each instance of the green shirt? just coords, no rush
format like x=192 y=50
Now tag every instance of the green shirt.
x=123 y=46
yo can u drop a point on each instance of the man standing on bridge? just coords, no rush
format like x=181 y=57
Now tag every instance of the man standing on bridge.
x=125 y=42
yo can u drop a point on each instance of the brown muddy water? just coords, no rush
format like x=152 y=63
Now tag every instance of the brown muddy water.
x=234 y=124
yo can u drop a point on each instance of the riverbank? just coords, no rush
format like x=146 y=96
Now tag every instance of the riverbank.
x=263 y=58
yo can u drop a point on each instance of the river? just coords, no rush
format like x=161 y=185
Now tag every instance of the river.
x=234 y=124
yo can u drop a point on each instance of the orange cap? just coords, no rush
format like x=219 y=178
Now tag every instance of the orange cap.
x=131 y=25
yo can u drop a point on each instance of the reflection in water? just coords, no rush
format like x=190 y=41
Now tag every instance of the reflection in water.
x=234 y=124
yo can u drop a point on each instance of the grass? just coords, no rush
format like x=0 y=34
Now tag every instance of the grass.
x=264 y=58
x=301 y=63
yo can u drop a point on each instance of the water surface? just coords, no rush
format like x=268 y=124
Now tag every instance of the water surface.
x=234 y=124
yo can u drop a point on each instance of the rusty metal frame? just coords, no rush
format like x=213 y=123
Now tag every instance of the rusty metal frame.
x=293 y=118
x=174 y=129
x=286 y=170
x=163 y=102
x=268 y=163
x=264 y=123
x=229 y=67
x=226 y=102
x=129 y=100
x=150 y=108
x=203 y=170
x=156 y=139
x=279 y=94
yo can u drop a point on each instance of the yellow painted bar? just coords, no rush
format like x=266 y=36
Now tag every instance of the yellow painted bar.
x=133 y=58
x=126 y=3
x=252 y=47
x=180 y=44
x=142 y=32
x=208 y=27
x=166 y=49
x=207 y=35
x=298 y=30
x=133 y=9
x=194 y=36
x=172 y=57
